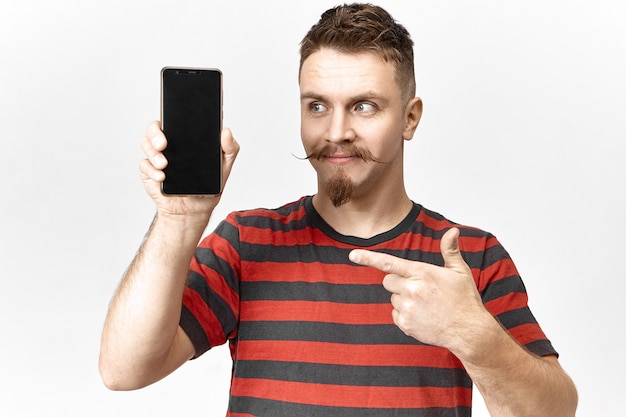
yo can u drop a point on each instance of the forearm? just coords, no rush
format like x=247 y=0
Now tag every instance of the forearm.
x=514 y=382
x=141 y=327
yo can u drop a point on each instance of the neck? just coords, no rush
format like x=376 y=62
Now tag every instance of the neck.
x=365 y=216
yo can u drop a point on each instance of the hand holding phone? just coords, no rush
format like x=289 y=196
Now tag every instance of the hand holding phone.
x=152 y=174
x=191 y=118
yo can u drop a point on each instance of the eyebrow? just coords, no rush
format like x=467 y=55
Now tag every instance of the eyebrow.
x=368 y=95
x=312 y=96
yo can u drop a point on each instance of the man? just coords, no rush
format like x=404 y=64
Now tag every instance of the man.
x=297 y=292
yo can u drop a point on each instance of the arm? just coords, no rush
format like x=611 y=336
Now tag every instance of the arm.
x=514 y=382
x=441 y=306
x=141 y=340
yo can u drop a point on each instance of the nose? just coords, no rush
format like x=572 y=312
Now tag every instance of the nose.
x=340 y=127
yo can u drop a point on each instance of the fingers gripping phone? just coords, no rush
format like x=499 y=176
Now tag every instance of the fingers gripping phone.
x=191 y=119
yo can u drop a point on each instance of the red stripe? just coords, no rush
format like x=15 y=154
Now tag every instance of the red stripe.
x=311 y=272
x=222 y=249
x=501 y=269
x=342 y=354
x=206 y=318
x=318 y=311
x=217 y=284
x=408 y=241
x=295 y=214
x=351 y=396
x=257 y=236
x=431 y=222
x=527 y=333
x=220 y=246
x=508 y=302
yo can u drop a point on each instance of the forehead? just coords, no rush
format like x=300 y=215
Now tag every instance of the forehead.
x=329 y=71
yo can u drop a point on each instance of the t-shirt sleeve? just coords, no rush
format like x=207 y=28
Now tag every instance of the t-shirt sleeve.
x=504 y=295
x=210 y=310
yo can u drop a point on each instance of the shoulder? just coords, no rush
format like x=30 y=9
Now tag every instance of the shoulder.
x=436 y=224
x=285 y=214
x=259 y=225
x=479 y=247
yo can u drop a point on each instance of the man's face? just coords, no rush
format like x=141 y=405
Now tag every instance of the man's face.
x=353 y=123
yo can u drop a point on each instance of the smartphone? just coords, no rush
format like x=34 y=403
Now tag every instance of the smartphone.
x=191 y=119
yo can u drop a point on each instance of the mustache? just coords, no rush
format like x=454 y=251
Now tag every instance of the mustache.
x=349 y=149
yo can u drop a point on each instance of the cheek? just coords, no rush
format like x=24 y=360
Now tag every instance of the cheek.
x=390 y=153
x=306 y=141
x=383 y=140
x=311 y=133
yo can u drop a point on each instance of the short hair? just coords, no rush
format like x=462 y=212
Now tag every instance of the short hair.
x=359 y=27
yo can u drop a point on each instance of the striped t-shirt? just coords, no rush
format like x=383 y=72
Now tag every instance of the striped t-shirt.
x=311 y=333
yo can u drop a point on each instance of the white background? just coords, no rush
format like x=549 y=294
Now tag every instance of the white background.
x=523 y=135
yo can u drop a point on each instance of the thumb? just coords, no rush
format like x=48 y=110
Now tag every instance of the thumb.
x=230 y=149
x=229 y=145
x=450 y=250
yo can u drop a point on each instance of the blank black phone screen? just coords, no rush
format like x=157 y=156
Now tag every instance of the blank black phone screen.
x=191 y=118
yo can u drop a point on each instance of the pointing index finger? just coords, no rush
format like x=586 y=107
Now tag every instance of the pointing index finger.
x=381 y=261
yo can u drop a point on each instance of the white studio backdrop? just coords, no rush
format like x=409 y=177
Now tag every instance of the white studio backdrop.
x=523 y=135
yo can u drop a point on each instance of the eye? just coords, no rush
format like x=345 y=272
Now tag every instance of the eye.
x=365 y=107
x=317 y=107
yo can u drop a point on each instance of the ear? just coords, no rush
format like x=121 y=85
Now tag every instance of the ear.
x=412 y=116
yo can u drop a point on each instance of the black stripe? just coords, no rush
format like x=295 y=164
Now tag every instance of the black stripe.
x=517 y=317
x=208 y=258
x=315 y=291
x=502 y=287
x=493 y=255
x=217 y=304
x=194 y=330
x=541 y=348
x=367 y=334
x=228 y=232
x=376 y=376
x=331 y=255
x=296 y=253
x=473 y=259
x=264 y=222
x=433 y=258
x=290 y=208
x=270 y=408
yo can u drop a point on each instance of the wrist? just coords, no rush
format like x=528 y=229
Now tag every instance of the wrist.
x=483 y=343
x=192 y=211
x=180 y=227
x=195 y=220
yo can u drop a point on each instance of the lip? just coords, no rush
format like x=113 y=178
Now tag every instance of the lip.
x=339 y=159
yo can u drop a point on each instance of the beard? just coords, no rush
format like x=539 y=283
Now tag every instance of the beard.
x=339 y=188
